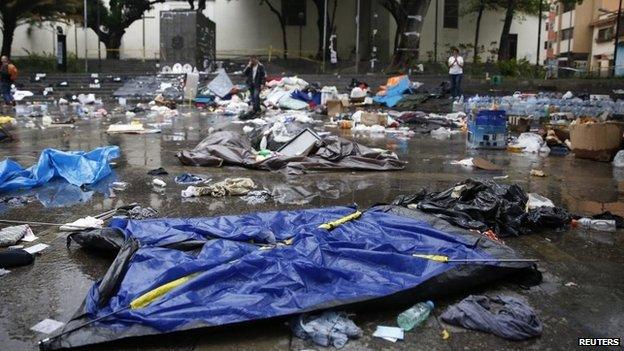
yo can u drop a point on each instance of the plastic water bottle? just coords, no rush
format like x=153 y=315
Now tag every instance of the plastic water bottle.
x=602 y=225
x=415 y=315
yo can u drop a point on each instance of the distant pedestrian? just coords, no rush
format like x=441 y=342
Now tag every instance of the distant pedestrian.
x=456 y=72
x=256 y=75
x=8 y=75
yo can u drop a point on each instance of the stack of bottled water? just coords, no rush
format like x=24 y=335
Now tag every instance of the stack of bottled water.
x=541 y=105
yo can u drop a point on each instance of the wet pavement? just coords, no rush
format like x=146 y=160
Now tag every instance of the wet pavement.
x=55 y=285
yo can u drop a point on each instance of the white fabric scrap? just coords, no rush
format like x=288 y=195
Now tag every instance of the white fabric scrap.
x=47 y=326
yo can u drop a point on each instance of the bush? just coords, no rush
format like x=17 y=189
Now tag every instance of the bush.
x=46 y=62
x=519 y=68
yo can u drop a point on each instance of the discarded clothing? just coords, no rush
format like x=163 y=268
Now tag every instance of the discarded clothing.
x=139 y=212
x=256 y=197
x=487 y=205
x=230 y=269
x=11 y=235
x=77 y=168
x=188 y=178
x=505 y=316
x=227 y=148
x=411 y=102
x=329 y=328
x=15 y=258
x=229 y=186
x=158 y=171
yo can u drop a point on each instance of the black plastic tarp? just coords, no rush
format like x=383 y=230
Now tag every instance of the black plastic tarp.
x=472 y=204
x=226 y=148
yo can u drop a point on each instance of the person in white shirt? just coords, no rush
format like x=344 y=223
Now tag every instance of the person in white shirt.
x=456 y=72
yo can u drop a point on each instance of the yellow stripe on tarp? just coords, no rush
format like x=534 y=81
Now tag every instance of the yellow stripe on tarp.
x=436 y=258
x=154 y=294
x=340 y=221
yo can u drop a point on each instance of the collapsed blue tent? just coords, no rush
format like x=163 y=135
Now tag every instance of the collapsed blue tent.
x=177 y=274
x=76 y=167
x=394 y=93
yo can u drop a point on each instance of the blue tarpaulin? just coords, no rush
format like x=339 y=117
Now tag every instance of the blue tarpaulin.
x=394 y=93
x=263 y=265
x=76 y=167
x=238 y=281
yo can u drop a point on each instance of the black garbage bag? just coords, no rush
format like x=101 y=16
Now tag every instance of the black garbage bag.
x=486 y=205
x=548 y=218
x=15 y=258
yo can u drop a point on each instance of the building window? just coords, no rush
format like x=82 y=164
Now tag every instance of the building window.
x=547 y=26
x=605 y=34
x=568 y=6
x=294 y=12
x=566 y=34
x=545 y=45
x=451 y=13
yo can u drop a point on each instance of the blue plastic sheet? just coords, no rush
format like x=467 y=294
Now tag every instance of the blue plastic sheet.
x=394 y=93
x=77 y=168
x=238 y=280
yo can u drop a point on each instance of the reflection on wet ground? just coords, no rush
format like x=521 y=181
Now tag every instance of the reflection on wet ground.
x=55 y=285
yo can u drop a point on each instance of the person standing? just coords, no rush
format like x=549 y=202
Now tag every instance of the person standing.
x=456 y=72
x=256 y=75
x=8 y=75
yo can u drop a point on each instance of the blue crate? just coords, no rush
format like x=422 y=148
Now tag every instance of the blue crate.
x=488 y=130
x=491 y=118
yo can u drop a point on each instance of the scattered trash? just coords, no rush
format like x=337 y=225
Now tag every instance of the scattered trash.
x=391 y=334
x=229 y=186
x=158 y=171
x=82 y=224
x=571 y=284
x=4 y=272
x=188 y=178
x=15 y=258
x=415 y=315
x=536 y=201
x=478 y=163
x=505 y=316
x=47 y=326
x=36 y=248
x=601 y=225
x=256 y=197
x=138 y=212
x=159 y=182
x=11 y=235
x=537 y=173
x=328 y=329
x=119 y=186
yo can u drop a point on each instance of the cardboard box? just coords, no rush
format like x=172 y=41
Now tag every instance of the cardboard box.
x=596 y=141
x=371 y=119
x=335 y=107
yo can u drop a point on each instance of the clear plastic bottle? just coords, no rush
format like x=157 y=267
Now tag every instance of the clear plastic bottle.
x=415 y=315
x=603 y=225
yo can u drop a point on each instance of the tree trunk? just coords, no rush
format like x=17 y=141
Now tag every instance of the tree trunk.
x=320 y=4
x=284 y=39
x=113 y=43
x=475 y=57
x=8 y=29
x=407 y=52
x=503 y=49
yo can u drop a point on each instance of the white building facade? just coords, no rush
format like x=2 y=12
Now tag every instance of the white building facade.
x=244 y=27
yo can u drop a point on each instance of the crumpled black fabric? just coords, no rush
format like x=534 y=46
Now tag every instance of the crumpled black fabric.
x=227 y=148
x=158 y=171
x=505 y=316
x=487 y=205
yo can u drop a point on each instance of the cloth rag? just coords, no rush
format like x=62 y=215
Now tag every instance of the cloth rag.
x=505 y=316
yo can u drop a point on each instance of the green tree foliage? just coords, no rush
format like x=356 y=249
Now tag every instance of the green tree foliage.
x=16 y=12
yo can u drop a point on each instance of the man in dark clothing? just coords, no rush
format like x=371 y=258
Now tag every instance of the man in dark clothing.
x=8 y=74
x=255 y=74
